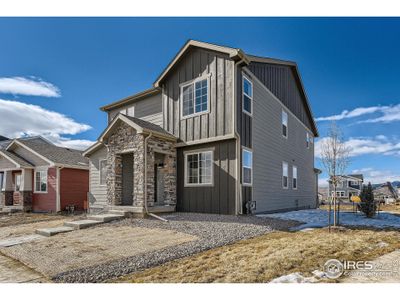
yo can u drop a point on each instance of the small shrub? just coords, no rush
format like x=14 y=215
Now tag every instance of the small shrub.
x=367 y=205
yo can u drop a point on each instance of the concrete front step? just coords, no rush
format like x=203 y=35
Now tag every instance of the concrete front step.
x=105 y=217
x=11 y=209
x=119 y=212
x=81 y=224
x=53 y=231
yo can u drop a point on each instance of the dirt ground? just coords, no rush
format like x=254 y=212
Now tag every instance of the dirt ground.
x=15 y=225
x=7 y=220
x=12 y=271
x=79 y=249
x=264 y=258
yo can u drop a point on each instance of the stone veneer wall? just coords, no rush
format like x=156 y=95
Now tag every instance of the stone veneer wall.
x=125 y=139
x=168 y=149
x=2 y=198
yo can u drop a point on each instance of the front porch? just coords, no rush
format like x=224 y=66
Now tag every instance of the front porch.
x=16 y=190
x=141 y=167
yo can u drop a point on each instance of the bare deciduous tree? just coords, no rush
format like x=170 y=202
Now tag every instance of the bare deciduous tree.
x=335 y=157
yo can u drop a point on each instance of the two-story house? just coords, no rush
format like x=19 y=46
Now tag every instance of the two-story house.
x=349 y=185
x=220 y=131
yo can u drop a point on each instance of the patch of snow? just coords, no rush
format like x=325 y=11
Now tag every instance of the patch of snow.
x=319 y=274
x=318 y=218
x=294 y=278
x=382 y=244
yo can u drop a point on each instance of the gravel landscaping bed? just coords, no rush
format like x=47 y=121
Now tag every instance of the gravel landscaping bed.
x=212 y=231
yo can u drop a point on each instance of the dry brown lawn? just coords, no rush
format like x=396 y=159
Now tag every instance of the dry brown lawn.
x=93 y=246
x=264 y=258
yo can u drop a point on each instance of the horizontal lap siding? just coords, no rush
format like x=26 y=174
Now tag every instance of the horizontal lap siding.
x=218 y=122
x=148 y=109
x=97 y=192
x=46 y=201
x=74 y=186
x=219 y=198
x=271 y=148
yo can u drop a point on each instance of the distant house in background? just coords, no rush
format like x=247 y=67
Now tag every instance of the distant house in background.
x=36 y=175
x=350 y=185
x=386 y=193
x=3 y=138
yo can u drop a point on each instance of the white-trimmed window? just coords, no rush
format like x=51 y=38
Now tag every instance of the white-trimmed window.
x=247 y=97
x=247 y=166
x=103 y=171
x=285 y=175
x=195 y=97
x=294 y=179
x=308 y=140
x=199 y=168
x=284 y=123
x=41 y=181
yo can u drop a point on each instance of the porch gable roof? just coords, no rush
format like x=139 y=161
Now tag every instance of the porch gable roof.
x=19 y=162
x=141 y=126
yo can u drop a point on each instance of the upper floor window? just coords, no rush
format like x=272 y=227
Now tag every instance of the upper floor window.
x=284 y=123
x=285 y=175
x=308 y=140
x=294 y=185
x=41 y=181
x=195 y=97
x=199 y=168
x=247 y=96
x=247 y=164
x=130 y=111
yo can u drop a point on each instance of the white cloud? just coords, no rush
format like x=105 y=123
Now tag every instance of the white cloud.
x=389 y=114
x=361 y=146
x=28 y=86
x=352 y=114
x=377 y=176
x=20 y=119
x=323 y=182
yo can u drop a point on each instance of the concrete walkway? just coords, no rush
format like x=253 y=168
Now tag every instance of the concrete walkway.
x=12 y=271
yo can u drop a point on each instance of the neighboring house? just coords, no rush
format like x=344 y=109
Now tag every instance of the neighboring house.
x=386 y=193
x=349 y=185
x=220 y=131
x=36 y=175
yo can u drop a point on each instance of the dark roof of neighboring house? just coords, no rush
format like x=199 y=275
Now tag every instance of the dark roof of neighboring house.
x=3 y=138
x=57 y=155
x=150 y=126
x=16 y=158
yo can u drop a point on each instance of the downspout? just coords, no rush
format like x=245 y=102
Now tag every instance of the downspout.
x=145 y=181
x=239 y=204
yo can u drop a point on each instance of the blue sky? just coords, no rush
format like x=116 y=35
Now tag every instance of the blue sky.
x=69 y=67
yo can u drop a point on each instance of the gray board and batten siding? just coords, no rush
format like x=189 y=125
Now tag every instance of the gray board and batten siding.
x=218 y=198
x=218 y=121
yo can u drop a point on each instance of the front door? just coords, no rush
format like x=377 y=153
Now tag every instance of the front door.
x=127 y=179
x=159 y=179
x=17 y=188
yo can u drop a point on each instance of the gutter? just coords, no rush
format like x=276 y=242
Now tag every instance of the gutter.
x=239 y=204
